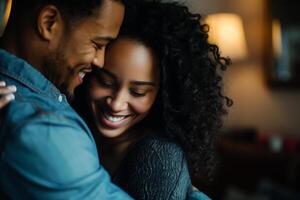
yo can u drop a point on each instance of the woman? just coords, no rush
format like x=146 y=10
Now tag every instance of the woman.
x=156 y=106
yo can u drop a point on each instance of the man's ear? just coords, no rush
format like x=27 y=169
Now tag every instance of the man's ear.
x=50 y=23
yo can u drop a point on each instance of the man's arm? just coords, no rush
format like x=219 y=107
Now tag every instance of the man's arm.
x=47 y=158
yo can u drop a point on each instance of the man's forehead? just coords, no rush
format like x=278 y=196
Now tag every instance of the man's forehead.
x=106 y=6
x=107 y=19
x=109 y=14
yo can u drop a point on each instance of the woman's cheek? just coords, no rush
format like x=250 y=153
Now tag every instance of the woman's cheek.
x=143 y=106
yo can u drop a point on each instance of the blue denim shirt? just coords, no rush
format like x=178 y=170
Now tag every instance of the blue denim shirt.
x=47 y=150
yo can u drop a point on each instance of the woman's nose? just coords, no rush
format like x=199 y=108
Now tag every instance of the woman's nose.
x=118 y=102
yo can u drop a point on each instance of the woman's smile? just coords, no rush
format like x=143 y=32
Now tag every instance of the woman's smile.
x=122 y=92
x=112 y=121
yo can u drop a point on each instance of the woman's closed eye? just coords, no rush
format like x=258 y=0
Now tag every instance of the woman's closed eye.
x=138 y=92
x=106 y=82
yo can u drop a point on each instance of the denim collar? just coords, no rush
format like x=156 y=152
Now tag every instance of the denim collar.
x=18 y=69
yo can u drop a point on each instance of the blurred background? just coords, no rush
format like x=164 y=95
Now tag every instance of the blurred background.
x=260 y=145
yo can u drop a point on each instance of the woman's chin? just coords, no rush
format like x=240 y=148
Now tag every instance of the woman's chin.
x=106 y=133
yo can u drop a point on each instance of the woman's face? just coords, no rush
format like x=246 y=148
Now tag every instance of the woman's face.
x=122 y=93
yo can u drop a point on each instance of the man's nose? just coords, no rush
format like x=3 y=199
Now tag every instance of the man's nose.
x=98 y=60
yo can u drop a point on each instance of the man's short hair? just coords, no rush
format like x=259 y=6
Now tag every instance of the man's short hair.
x=70 y=9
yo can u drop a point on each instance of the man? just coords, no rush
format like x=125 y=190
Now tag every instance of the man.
x=47 y=151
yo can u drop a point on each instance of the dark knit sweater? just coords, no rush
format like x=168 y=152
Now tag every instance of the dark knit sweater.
x=155 y=168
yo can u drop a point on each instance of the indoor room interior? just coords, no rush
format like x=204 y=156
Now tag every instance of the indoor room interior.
x=259 y=147
x=260 y=144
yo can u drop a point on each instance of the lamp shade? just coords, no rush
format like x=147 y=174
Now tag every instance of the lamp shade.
x=226 y=30
x=276 y=38
x=5 y=8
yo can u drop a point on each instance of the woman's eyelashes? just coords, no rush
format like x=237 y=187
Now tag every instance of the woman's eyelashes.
x=138 y=92
x=106 y=82
x=109 y=83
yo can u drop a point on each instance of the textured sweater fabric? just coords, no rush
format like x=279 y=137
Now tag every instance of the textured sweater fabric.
x=155 y=168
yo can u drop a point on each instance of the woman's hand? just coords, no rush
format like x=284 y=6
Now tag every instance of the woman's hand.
x=6 y=94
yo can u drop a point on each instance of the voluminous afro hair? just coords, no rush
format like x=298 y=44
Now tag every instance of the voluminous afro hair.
x=190 y=104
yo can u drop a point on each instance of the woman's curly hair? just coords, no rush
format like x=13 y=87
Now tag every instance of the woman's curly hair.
x=190 y=105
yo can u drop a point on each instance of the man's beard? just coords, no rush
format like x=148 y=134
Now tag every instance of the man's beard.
x=55 y=69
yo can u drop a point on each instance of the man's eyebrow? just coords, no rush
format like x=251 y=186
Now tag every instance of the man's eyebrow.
x=143 y=83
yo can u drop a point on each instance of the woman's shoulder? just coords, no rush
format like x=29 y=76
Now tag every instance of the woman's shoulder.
x=157 y=141
x=159 y=148
x=154 y=151
x=161 y=163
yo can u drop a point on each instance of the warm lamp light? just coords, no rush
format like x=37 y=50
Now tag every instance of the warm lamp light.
x=226 y=30
x=6 y=12
x=276 y=38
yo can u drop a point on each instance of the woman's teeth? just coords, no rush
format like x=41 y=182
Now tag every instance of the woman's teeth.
x=114 y=119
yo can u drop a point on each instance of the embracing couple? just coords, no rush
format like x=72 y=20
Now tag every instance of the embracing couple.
x=141 y=123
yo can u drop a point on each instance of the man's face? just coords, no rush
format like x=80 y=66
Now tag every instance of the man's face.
x=82 y=46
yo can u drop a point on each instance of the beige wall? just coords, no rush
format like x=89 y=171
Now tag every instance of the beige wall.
x=256 y=105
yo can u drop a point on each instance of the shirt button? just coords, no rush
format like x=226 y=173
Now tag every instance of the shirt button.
x=60 y=98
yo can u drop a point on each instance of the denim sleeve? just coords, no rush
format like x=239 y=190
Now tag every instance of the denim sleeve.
x=48 y=158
